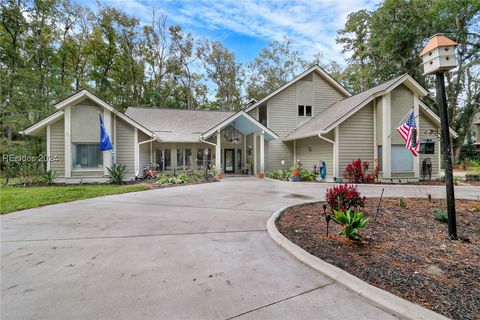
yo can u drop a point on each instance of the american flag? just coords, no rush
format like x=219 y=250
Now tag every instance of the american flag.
x=408 y=131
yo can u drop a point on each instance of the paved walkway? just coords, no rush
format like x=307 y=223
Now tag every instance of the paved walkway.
x=194 y=252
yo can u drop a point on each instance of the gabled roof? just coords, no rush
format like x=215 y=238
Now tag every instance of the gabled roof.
x=75 y=99
x=342 y=110
x=313 y=68
x=177 y=125
x=246 y=124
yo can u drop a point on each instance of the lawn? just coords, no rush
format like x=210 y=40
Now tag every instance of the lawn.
x=20 y=198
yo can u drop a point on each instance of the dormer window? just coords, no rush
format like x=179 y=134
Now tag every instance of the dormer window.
x=304 y=111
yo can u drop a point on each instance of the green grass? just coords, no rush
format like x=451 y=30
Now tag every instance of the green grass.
x=20 y=198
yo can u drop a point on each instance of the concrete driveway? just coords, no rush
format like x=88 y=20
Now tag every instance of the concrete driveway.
x=194 y=252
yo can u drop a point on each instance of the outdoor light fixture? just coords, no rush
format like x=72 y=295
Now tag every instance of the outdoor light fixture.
x=324 y=208
x=328 y=217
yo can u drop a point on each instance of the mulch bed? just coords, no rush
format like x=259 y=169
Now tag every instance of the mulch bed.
x=406 y=252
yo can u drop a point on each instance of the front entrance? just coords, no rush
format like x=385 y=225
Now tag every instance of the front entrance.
x=229 y=156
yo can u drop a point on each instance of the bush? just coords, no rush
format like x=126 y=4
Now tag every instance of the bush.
x=308 y=175
x=440 y=214
x=279 y=175
x=116 y=173
x=351 y=221
x=356 y=172
x=401 y=203
x=344 y=197
x=49 y=176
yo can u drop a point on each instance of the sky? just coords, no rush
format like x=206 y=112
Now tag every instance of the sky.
x=245 y=26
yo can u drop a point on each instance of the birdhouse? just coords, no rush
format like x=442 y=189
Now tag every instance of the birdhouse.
x=439 y=54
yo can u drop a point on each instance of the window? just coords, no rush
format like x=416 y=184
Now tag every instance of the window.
x=179 y=159
x=239 y=158
x=199 y=160
x=402 y=158
x=164 y=159
x=262 y=114
x=301 y=111
x=308 y=111
x=188 y=158
x=380 y=157
x=86 y=156
x=304 y=111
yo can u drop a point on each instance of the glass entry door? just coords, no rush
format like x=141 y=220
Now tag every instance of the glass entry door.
x=229 y=156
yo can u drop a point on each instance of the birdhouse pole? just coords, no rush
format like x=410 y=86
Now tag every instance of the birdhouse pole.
x=439 y=57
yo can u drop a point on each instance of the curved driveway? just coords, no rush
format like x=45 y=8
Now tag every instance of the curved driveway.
x=194 y=252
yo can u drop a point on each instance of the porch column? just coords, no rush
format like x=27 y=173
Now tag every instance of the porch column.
x=387 y=137
x=107 y=155
x=68 y=142
x=218 y=153
x=136 y=154
x=262 y=152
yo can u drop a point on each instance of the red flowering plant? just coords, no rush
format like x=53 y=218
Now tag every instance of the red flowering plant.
x=344 y=197
x=356 y=172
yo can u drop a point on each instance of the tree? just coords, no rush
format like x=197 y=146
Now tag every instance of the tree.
x=223 y=70
x=274 y=66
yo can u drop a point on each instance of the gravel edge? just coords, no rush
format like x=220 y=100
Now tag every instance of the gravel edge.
x=382 y=299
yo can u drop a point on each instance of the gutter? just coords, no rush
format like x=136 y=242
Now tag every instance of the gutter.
x=326 y=139
x=208 y=142
x=147 y=141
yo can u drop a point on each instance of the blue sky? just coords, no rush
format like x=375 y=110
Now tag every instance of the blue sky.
x=245 y=27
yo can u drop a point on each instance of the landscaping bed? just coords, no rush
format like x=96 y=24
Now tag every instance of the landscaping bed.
x=406 y=252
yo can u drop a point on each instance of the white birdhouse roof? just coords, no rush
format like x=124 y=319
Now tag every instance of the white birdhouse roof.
x=435 y=41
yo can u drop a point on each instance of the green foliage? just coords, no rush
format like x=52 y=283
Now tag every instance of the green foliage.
x=308 y=175
x=351 y=221
x=181 y=178
x=116 y=173
x=440 y=214
x=49 y=176
x=402 y=203
x=283 y=175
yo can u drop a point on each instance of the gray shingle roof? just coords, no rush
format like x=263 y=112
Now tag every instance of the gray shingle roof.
x=335 y=112
x=177 y=125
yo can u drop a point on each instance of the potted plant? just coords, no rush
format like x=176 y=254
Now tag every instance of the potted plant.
x=260 y=175
x=297 y=167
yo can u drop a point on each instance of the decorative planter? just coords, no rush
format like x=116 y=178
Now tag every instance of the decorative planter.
x=260 y=175
x=220 y=175
x=295 y=172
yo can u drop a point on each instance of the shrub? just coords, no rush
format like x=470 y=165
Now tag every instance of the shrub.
x=182 y=178
x=356 y=172
x=440 y=214
x=351 y=221
x=116 y=173
x=308 y=175
x=401 y=203
x=279 y=175
x=344 y=197
x=49 y=176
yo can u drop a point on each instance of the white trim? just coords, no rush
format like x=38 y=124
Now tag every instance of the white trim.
x=375 y=148
x=262 y=152
x=46 y=121
x=336 y=153
x=49 y=149
x=326 y=139
x=386 y=137
x=328 y=77
x=416 y=110
x=255 y=153
x=151 y=151
x=107 y=155
x=230 y=119
x=439 y=157
x=136 y=153
x=294 y=151
x=410 y=84
x=84 y=94
x=115 y=138
x=218 y=153
x=68 y=142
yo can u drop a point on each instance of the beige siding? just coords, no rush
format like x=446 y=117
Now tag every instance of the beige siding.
x=125 y=147
x=85 y=123
x=57 y=147
x=356 y=138
x=425 y=125
x=311 y=151
x=402 y=103
x=282 y=118
x=324 y=94
x=379 y=121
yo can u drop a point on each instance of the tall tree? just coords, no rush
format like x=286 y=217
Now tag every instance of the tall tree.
x=223 y=70
x=273 y=67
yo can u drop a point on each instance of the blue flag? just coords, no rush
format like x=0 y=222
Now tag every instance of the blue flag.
x=105 y=143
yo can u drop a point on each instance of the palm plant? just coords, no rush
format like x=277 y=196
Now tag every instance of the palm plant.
x=116 y=173
x=351 y=221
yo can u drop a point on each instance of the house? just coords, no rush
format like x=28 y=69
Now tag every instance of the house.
x=311 y=118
